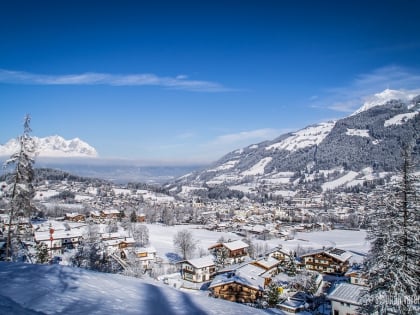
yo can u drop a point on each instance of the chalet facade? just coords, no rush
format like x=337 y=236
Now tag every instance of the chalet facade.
x=237 y=251
x=236 y=292
x=281 y=254
x=75 y=217
x=146 y=255
x=141 y=218
x=357 y=277
x=60 y=241
x=110 y=214
x=330 y=261
x=243 y=285
x=198 y=270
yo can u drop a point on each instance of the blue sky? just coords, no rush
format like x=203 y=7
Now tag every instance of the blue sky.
x=189 y=81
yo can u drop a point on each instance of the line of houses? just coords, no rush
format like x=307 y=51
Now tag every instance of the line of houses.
x=244 y=280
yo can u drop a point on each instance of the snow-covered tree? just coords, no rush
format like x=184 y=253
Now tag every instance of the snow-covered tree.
x=221 y=255
x=140 y=234
x=90 y=253
x=184 y=243
x=20 y=189
x=133 y=216
x=41 y=255
x=271 y=294
x=393 y=260
x=135 y=267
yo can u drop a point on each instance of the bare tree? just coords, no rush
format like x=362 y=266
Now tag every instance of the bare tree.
x=141 y=234
x=184 y=243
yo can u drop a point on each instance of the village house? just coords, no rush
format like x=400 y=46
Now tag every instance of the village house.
x=198 y=269
x=146 y=255
x=237 y=251
x=246 y=284
x=357 y=277
x=331 y=261
x=141 y=217
x=269 y=264
x=95 y=215
x=75 y=217
x=59 y=240
x=345 y=299
x=293 y=304
x=281 y=254
x=113 y=244
x=110 y=214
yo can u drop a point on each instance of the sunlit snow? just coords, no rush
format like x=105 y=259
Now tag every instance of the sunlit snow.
x=258 y=168
x=53 y=289
x=358 y=132
x=304 y=138
x=400 y=119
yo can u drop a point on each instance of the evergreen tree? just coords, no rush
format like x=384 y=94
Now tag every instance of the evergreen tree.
x=90 y=254
x=271 y=294
x=392 y=262
x=221 y=256
x=20 y=188
x=133 y=216
x=42 y=255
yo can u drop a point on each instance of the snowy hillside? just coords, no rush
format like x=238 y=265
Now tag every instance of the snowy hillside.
x=54 y=289
x=307 y=137
x=326 y=156
x=53 y=146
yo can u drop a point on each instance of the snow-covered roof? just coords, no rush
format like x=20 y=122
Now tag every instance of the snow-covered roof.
x=236 y=245
x=110 y=211
x=58 y=234
x=339 y=254
x=202 y=262
x=73 y=214
x=267 y=262
x=348 y=293
x=149 y=250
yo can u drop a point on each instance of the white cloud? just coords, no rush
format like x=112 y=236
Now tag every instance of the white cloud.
x=349 y=98
x=247 y=136
x=91 y=78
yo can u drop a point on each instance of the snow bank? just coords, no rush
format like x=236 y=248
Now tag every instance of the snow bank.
x=55 y=289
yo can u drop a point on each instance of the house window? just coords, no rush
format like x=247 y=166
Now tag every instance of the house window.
x=336 y=312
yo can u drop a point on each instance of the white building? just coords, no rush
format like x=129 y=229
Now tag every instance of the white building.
x=345 y=299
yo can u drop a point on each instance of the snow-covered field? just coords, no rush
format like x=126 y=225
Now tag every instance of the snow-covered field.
x=161 y=237
x=53 y=289
x=258 y=168
x=303 y=138
x=350 y=176
x=358 y=132
x=399 y=119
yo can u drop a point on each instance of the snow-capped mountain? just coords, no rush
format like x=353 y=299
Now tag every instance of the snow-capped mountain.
x=385 y=96
x=361 y=148
x=53 y=147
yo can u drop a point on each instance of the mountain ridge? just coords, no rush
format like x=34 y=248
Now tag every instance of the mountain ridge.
x=53 y=147
x=358 y=149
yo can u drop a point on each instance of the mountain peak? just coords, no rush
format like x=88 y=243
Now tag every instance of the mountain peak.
x=53 y=146
x=385 y=96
